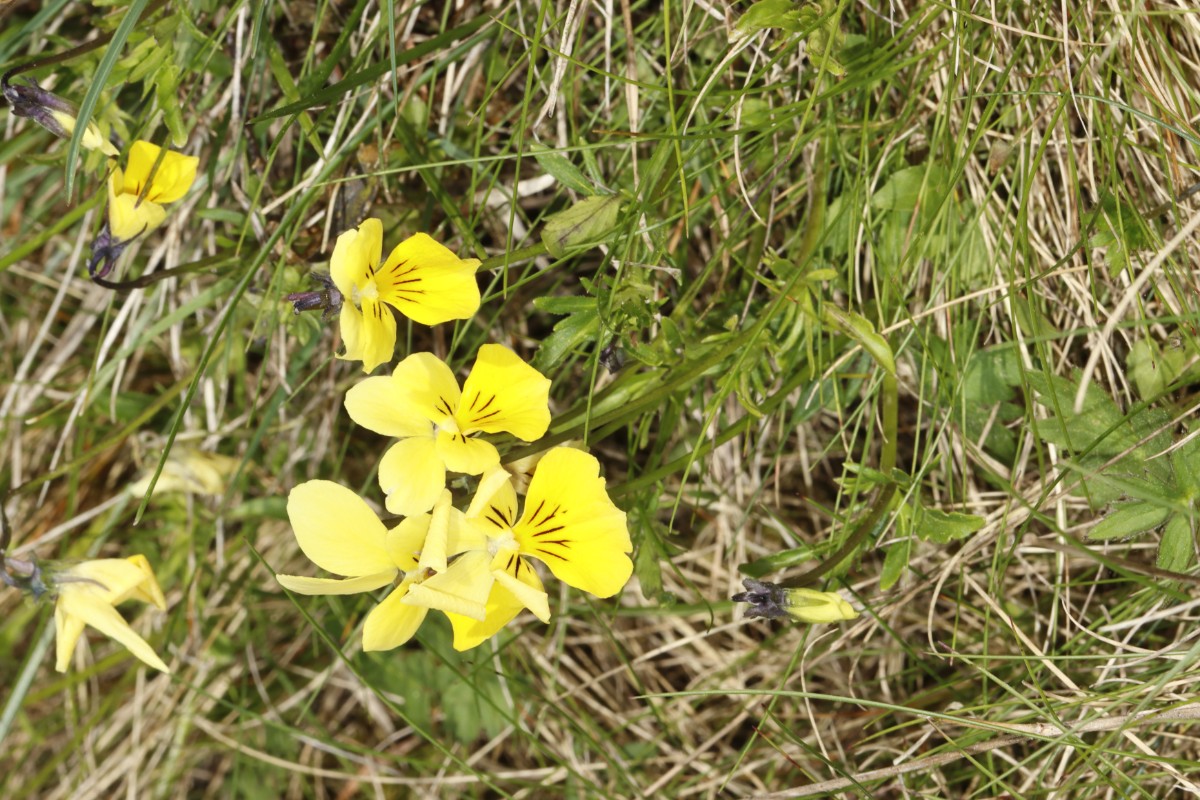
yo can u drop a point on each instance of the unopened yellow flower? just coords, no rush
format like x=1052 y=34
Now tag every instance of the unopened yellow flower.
x=340 y=533
x=421 y=404
x=137 y=194
x=568 y=522
x=421 y=279
x=87 y=595
x=772 y=601
x=54 y=114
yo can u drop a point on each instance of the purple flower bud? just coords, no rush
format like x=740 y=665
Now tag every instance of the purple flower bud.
x=327 y=298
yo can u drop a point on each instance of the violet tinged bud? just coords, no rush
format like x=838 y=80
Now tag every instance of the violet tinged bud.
x=327 y=298
x=54 y=114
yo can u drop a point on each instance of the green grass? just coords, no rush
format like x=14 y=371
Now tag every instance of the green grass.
x=979 y=186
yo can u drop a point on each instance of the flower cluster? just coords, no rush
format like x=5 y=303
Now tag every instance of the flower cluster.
x=473 y=565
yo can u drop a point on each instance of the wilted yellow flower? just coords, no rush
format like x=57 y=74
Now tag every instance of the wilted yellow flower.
x=88 y=593
x=190 y=471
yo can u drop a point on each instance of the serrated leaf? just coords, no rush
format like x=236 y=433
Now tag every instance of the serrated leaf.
x=559 y=166
x=585 y=222
x=943 y=527
x=1129 y=519
x=1177 y=547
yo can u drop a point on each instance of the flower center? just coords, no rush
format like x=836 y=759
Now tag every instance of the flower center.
x=504 y=542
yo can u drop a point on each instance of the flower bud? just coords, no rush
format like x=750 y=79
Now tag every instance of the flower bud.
x=54 y=114
x=771 y=600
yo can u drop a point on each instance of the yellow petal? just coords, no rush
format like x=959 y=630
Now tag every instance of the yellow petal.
x=108 y=580
x=378 y=334
x=428 y=283
x=424 y=387
x=350 y=321
x=517 y=576
x=337 y=530
x=449 y=535
x=462 y=589
x=322 y=586
x=495 y=501
x=67 y=630
x=169 y=182
x=381 y=405
x=503 y=393
x=412 y=476
x=501 y=607
x=466 y=455
x=810 y=605
x=407 y=541
x=570 y=524
x=354 y=254
x=127 y=217
x=104 y=618
x=392 y=623
x=147 y=589
x=92 y=138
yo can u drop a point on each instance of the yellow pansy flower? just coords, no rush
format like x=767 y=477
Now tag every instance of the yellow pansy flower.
x=340 y=533
x=87 y=595
x=421 y=279
x=135 y=200
x=437 y=423
x=567 y=522
x=137 y=194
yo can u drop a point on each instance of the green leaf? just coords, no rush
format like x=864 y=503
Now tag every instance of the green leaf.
x=943 y=527
x=1153 y=368
x=776 y=562
x=1178 y=544
x=909 y=187
x=894 y=563
x=860 y=329
x=586 y=222
x=569 y=333
x=558 y=165
x=784 y=15
x=1129 y=519
x=648 y=569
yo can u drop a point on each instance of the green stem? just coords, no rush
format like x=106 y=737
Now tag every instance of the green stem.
x=515 y=257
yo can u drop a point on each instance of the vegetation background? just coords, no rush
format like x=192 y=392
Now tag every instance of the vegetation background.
x=999 y=190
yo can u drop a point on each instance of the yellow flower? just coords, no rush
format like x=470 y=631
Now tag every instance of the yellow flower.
x=568 y=522
x=87 y=595
x=340 y=533
x=130 y=213
x=421 y=404
x=421 y=279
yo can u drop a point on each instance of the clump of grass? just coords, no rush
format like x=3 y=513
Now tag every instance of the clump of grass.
x=997 y=195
